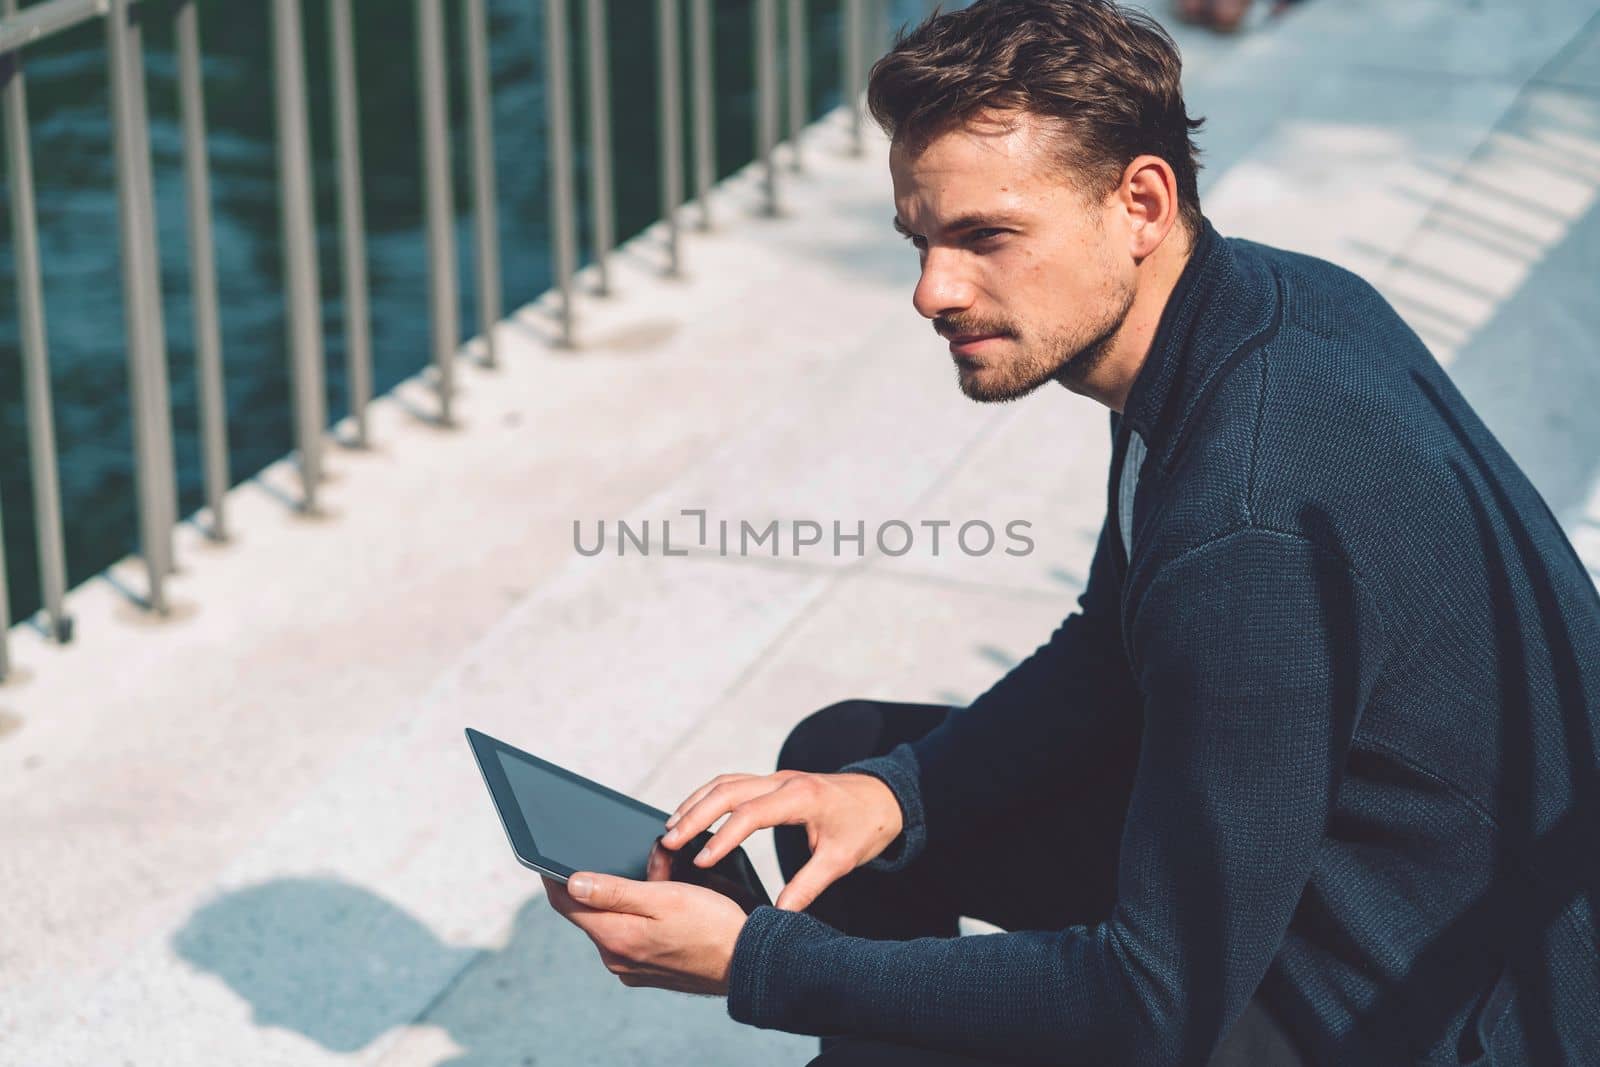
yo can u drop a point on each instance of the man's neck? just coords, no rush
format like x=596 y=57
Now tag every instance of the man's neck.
x=1114 y=374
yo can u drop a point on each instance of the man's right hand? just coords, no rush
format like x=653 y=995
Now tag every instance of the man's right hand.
x=849 y=820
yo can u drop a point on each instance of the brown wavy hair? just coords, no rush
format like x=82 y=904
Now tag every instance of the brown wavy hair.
x=1111 y=78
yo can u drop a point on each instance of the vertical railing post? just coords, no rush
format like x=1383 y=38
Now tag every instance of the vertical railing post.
x=701 y=65
x=853 y=49
x=602 y=201
x=670 y=99
x=301 y=282
x=352 y=217
x=10 y=68
x=766 y=57
x=799 y=106
x=35 y=353
x=563 y=206
x=155 y=317
x=5 y=591
x=203 y=271
x=439 y=193
x=475 y=29
x=141 y=298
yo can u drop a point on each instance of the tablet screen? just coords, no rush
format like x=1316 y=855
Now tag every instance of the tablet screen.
x=560 y=822
x=577 y=826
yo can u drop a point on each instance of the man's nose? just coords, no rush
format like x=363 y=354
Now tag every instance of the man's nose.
x=942 y=289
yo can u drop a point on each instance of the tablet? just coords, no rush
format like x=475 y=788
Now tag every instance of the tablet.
x=560 y=823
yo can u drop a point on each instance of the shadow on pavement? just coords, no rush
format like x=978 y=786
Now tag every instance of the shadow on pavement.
x=343 y=967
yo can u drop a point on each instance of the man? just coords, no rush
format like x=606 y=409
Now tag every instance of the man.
x=1311 y=776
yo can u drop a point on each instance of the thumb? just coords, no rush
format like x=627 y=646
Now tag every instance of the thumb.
x=808 y=882
x=606 y=892
x=600 y=891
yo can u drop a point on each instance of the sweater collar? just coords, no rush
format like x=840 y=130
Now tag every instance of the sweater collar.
x=1221 y=304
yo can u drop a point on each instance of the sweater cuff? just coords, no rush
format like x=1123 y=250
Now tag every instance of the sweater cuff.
x=899 y=771
x=764 y=953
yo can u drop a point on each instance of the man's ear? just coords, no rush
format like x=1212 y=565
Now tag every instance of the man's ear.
x=1149 y=196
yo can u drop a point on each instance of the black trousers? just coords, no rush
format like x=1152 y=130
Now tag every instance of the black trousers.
x=1071 y=883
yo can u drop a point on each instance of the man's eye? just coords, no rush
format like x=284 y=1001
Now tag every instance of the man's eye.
x=988 y=232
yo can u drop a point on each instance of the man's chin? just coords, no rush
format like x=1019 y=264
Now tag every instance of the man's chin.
x=986 y=386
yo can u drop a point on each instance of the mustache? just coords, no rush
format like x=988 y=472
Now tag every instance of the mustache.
x=952 y=326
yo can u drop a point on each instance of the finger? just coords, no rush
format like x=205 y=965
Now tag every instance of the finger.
x=619 y=964
x=819 y=872
x=658 y=868
x=607 y=892
x=699 y=794
x=610 y=931
x=717 y=785
x=615 y=962
x=780 y=807
x=714 y=805
x=639 y=979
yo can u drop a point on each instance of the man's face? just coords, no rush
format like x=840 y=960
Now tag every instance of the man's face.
x=1020 y=273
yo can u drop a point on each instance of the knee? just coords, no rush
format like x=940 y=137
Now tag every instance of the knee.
x=828 y=739
x=848 y=1054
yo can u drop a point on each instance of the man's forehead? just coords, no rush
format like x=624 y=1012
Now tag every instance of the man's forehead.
x=986 y=140
x=980 y=164
x=997 y=165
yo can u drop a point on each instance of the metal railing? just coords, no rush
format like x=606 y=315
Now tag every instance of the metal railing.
x=156 y=479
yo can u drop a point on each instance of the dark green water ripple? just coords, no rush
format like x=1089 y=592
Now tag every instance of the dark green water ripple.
x=78 y=226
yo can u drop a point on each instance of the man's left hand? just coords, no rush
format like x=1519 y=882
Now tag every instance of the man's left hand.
x=669 y=935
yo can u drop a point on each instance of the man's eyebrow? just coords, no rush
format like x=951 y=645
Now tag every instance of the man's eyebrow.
x=971 y=221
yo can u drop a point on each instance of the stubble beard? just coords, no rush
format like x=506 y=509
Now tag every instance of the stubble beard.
x=1068 y=357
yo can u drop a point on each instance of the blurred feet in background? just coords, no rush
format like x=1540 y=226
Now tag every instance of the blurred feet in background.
x=1227 y=16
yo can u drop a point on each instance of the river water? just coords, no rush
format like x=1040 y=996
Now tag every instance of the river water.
x=78 y=225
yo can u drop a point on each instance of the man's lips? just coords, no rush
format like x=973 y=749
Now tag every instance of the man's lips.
x=965 y=344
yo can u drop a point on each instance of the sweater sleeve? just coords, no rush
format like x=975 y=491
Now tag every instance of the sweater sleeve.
x=1066 y=702
x=1254 y=655
x=1056 y=713
x=897 y=770
x=1079 y=679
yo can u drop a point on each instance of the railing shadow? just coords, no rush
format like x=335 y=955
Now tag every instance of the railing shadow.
x=1518 y=323
x=1532 y=374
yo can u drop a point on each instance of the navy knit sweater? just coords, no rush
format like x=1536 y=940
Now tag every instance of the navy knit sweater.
x=1363 y=665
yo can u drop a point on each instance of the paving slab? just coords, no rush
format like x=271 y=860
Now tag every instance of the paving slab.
x=1495 y=39
x=1382 y=146
x=1578 y=64
x=1044 y=465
